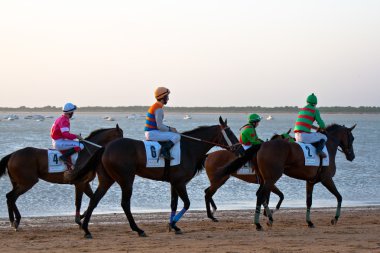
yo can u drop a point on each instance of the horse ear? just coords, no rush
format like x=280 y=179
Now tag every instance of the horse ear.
x=352 y=128
x=221 y=121
x=117 y=126
x=289 y=131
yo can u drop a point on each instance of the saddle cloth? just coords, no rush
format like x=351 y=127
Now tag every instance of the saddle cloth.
x=311 y=157
x=153 y=158
x=56 y=165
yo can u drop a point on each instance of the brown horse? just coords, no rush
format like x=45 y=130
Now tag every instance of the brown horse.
x=125 y=158
x=26 y=166
x=217 y=160
x=278 y=157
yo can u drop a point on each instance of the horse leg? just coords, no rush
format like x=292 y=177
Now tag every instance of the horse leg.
x=279 y=193
x=182 y=193
x=173 y=204
x=12 y=196
x=89 y=193
x=105 y=183
x=126 y=205
x=262 y=197
x=330 y=185
x=309 y=201
x=209 y=192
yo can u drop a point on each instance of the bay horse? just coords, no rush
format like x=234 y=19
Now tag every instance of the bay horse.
x=26 y=166
x=217 y=160
x=125 y=158
x=279 y=157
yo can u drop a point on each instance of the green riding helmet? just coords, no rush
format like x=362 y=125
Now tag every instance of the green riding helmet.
x=312 y=99
x=254 y=118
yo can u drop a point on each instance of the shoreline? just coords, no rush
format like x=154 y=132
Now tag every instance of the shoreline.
x=358 y=230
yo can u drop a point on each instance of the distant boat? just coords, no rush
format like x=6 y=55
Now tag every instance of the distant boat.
x=109 y=118
x=187 y=117
x=11 y=117
x=269 y=117
x=35 y=117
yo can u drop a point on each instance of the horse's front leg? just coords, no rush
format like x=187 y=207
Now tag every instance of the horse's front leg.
x=182 y=193
x=78 y=203
x=173 y=204
x=330 y=185
x=309 y=201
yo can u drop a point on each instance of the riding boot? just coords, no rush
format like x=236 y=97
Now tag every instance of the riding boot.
x=165 y=149
x=320 y=146
x=66 y=156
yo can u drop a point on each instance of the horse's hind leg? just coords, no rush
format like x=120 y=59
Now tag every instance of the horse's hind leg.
x=126 y=205
x=105 y=183
x=12 y=196
x=209 y=192
x=330 y=185
x=79 y=190
x=309 y=202
x=279 y=193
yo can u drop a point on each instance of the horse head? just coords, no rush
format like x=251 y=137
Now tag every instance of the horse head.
x=344 y=138
x=105 y=135
x=230 y=138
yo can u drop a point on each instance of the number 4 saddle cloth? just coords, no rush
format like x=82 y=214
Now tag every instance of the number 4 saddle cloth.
x=153 y=158
x=311 y=157
x=56 y=165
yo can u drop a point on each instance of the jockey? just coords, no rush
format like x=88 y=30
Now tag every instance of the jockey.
x=248 y=135
x=155 y=130
x=62 y=139
x=304 y=124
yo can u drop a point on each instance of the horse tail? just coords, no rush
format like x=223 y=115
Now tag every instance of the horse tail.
x=4 y=164
x=91 y=165
x=236 y=164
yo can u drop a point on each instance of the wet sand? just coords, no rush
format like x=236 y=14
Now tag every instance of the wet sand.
x=358 y=230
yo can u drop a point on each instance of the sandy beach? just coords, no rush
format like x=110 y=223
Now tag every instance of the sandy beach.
x=358 y=230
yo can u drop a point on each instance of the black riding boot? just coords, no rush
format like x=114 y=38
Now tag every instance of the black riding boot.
x=66 y=156
x=320 y=147
x=165 y=149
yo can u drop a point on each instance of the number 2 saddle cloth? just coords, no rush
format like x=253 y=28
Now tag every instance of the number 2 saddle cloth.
x=311 y=157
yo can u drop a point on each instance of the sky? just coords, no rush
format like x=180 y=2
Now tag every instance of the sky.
x=207 y=52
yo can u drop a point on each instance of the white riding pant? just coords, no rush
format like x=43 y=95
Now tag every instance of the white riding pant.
x=309 y=137
x=64 y=144
x=157 y=135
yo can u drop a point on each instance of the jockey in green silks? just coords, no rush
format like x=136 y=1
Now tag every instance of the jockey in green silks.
x=304 y=123
x=248 y=135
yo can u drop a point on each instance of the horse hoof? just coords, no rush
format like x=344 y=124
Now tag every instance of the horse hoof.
x=259 y=227
x=215 y=220
x=142 y=234
x=334 y=221
x=269 y=223
x=88 y=236
x=178 y=232
x=169 y=227
x=310 y=224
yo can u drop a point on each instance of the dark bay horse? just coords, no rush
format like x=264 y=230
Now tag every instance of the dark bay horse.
x=279 y=157
x=125 y=158
x=26 y=166
x=217 y=160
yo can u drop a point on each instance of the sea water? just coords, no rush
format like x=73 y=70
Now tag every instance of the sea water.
x=357 y=181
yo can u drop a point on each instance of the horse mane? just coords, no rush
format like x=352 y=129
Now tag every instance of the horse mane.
x=190 y=132
x=333 y=127
x=95 y=132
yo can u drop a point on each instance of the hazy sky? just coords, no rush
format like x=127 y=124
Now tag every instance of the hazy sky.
x=208 y=53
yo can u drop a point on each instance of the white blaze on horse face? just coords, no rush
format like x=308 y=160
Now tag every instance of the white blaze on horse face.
x=226 y=138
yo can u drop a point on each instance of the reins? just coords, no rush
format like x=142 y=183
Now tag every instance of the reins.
x=229 y=146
